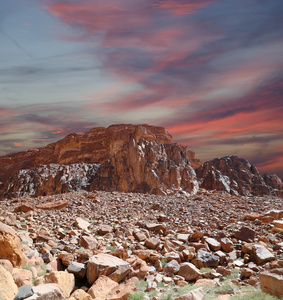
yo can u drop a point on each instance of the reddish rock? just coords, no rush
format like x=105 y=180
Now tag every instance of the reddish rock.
x=213 y=244
x=139 y=267
x=104 y=264
x=227 y=244
x=88 y=242
x=10 y=246
x=120 y=253
x=137 y=158
x=189 y=271
x=261 y=255
x=271 y=282
x=104 y=229
x=22 y=276
x=122 y=291
x=8 y=288
x=171 y=268
x=102 y=287
x=152 y=243
x=66 y=258
x=53 y=205
x=24 y=208
x=233 y=175
x=245 y=234
x=140 y=236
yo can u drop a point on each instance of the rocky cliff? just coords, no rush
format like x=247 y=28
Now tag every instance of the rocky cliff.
x=237 y=176
x=126 y=158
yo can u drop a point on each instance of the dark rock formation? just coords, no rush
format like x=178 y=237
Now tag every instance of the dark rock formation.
x=237 y=176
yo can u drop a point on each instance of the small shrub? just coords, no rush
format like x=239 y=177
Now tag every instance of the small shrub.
x=163 y=262
x=153 y=293
x=185 y=289
x=207 y=270
x=141 y=285
x=111 y=248
x=254 y=295
x=44 y=270
x=234 y=274
x=138 y=295
x=25 y=267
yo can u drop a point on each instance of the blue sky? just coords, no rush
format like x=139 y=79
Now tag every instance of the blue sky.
x=210 y=71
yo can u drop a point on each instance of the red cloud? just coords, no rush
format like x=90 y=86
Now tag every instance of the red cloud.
x=100 y=15
x=17 y=144
x=182 y=7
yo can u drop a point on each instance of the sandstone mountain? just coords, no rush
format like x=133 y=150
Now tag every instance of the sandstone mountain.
x=126 y=158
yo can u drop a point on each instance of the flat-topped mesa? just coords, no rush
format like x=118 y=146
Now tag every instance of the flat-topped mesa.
x=126 y=158
x=99 y=144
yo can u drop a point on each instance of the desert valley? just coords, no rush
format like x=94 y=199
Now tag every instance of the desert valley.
x=124 y=213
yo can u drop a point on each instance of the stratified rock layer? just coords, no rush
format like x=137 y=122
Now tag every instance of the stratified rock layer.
x=126 y=158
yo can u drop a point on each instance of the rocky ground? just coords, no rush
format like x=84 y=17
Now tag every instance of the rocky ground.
x=111 y=245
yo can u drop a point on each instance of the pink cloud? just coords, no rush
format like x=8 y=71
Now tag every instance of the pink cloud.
x=182 y=7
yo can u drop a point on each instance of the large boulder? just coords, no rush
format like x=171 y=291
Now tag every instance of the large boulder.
x=271 y=282
x=189 y=271
x=104 y=264
x=122 y=291
x=22 y=277
x=261 y=255
x=46 y=292
x=10 y=246
x=102 y=287
x=206 y=259
x=8 y=288
x=65 y=281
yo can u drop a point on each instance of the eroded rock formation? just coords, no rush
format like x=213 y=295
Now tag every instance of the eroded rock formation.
x=127 y=158
x=237 y=176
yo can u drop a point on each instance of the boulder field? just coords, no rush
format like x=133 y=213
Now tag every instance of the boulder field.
x=111 y=245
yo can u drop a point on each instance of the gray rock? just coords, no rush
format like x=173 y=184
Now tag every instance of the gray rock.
x=206 y=259
x=24 y=292
x=78 y=269
x=46 y=292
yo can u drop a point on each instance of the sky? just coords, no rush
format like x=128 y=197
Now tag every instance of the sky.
x=209 y=71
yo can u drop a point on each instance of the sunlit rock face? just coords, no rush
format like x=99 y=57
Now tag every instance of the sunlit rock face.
x=126 y=158
x=237 y=176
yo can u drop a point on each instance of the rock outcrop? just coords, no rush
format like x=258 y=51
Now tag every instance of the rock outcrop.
x=10 y=246
x=237 y=176
x=126 y=158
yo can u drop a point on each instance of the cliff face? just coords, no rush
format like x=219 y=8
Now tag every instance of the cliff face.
x=237 y=176
x=126 y=158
